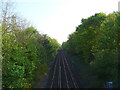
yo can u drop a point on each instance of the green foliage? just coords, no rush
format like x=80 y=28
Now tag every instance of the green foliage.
x=54 y=45
x=84 y=39
x=97 y=41
x=106 y=58
x=25 y=52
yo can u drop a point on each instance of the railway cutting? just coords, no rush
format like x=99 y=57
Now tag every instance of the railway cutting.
x=61 y=75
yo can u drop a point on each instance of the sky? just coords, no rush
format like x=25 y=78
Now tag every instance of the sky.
x=59 y=18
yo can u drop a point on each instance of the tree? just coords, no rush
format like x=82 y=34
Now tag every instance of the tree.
x=106 y=63
x=25 y=52
x=97 y=41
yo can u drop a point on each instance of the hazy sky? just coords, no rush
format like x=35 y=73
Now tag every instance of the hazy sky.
x=59 y=18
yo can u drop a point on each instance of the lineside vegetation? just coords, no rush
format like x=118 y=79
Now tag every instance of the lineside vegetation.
x=26 y=53
x=97 y=40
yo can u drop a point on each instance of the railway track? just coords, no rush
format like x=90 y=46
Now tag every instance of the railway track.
x=60 y=75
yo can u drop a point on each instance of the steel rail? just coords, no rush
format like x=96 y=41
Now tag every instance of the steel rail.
x=54 y=73
x=59 y=75
x=65 y=73
x=74 y=82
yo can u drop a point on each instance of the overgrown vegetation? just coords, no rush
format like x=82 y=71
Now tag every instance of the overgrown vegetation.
x=25 y=52
x=97 y=40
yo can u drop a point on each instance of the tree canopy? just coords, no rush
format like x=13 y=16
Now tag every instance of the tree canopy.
x=97 y=40
x=26 y=53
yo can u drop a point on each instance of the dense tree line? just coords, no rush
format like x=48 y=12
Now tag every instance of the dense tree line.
x=25 y=52
x=97 y=40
